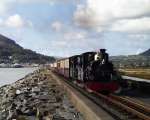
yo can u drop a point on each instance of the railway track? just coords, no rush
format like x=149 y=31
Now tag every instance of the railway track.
x=132 y=104
x=130 y=109
x=118 y=107
x=137 y=101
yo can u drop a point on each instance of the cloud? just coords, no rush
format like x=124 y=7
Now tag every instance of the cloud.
x=52 y=2
x=99 y=14
x=78 y=36
x=141 y=37
x=73 y=43
x=1 y=22
x=141 y=25
x=140 y=50
x=88 y=18
x=107 y=23
x=57 y=26
x=15 y=21
x=4 y=5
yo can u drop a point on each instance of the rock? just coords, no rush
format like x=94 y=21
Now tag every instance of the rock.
x=47 y=118
x=22 y=118
x=46 y=97
x=12 y=115
x=37 y=96
x=34 y=95
x=35 y=89
x=29 y=112
x=18 y=92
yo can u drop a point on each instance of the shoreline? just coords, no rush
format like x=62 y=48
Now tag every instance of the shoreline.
x=11 y=75
x=21 y=67
x=36 y=96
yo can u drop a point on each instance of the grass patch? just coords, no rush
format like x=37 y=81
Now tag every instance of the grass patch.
x=140 y=72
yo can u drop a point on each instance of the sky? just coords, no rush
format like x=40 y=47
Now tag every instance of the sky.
x=68 y=27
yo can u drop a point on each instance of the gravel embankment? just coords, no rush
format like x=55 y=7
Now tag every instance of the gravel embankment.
x=36 y=97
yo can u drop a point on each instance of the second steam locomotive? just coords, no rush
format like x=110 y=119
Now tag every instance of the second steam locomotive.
x=91 y=70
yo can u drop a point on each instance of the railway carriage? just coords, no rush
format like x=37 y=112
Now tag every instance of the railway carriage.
x=73 y=72
x=62 y=67
x=66 y=67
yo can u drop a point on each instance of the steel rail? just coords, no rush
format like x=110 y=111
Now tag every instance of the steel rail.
x=139 y=107
x=138 y=101
x=117 y=102
x=91 y=97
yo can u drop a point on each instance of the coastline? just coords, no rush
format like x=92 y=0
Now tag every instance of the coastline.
x=10 y=75
x=20 y=67
x=17 y=65
x=36 y=96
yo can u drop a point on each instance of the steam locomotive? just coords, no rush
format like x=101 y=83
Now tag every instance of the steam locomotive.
x=91 y=70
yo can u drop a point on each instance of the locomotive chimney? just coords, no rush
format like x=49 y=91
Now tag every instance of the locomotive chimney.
x=104 y=55
x=103 y=51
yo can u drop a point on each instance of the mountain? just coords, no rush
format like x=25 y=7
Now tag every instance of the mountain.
x=132 y=61
x=146 y=53
x=11 y=52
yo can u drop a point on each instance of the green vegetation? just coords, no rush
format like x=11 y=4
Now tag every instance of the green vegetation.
x=140 y=73
x=10 y=52
x=131 y=61
x=134 y=65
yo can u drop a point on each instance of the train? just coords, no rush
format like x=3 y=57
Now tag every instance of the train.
x=92 y=71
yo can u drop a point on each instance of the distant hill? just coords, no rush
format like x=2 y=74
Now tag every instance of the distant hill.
x=11 y=52
x=146 y=53
x=132 y=61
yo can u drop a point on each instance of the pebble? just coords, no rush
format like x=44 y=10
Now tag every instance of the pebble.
x=18 y=92
x=37 y=96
